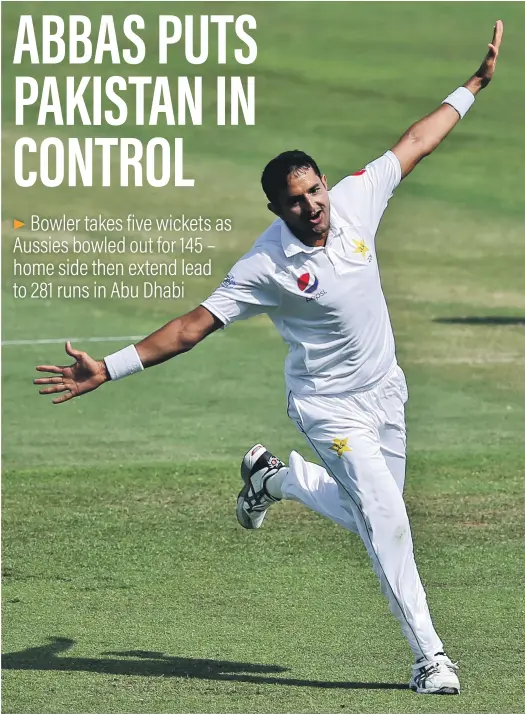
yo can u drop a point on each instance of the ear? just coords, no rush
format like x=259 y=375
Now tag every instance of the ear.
x=273 y=208
x=323 y=181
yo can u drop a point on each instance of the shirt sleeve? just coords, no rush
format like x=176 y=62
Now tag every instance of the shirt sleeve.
x=246 y=291
x=363 y=197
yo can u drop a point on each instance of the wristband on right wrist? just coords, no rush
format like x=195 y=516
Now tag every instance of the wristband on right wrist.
x=123 y=363
x=461 y=99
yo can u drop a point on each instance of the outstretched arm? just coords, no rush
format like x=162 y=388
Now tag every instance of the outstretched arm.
x=178 y=336
x=424 y=136
x=86 y=374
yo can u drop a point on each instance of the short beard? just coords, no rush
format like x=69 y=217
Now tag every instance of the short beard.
x=309 y=235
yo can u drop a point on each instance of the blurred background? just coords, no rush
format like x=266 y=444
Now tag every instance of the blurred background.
x=119 y=534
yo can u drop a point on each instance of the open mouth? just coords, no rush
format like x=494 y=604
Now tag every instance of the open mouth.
x=315 y=218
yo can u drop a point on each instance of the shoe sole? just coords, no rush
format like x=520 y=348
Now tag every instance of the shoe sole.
x=242 y=517
x=241 y=514
x=441 y=690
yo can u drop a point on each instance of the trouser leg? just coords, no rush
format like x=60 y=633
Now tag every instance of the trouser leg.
x=312 y=486
x=371 y=496
x=396 y=463
x=392 y=430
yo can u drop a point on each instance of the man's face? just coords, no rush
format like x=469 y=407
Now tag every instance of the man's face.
x=304 y=205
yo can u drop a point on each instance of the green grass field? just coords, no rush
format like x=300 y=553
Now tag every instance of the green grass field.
x=128 y=586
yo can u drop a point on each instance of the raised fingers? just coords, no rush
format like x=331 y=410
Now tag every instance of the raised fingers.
x=77 y=354
x=496 y=36
x=48 y=380
x=53 y=390
x=63 y=398
x=498 y=33
x=50 y=368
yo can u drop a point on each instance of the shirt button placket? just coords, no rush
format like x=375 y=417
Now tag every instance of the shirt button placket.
x=331 y=260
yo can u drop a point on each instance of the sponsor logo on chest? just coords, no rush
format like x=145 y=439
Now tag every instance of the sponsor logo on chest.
x=308 y=283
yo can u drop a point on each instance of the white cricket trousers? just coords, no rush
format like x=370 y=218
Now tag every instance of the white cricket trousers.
x=360 y=438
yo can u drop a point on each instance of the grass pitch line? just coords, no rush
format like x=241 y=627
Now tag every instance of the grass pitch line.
x=60 y=340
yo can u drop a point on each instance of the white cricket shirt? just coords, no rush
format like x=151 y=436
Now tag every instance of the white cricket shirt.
x=326 y=302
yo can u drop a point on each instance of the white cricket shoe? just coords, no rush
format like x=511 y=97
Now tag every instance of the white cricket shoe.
x=254 y=500
x=435 y=676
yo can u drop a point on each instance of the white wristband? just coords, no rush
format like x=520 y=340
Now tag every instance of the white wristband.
x=123 y=363
x=461 y=99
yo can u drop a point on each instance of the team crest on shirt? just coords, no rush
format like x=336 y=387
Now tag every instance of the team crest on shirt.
x=361 y=247
x=340 y=446
x=307 y=283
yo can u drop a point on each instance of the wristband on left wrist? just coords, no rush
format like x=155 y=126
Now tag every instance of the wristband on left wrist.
x=461 y=99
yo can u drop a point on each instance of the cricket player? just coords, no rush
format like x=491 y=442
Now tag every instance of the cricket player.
x=314 y=273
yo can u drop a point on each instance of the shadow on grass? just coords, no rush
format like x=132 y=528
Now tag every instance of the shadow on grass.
x=156 y=664
x=483 y=320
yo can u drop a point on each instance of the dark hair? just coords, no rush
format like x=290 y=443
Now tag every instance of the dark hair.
x=276 y=172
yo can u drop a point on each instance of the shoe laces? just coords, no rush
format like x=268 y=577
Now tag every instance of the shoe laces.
x=427 y=667
x=256 y=500
x=261 y=499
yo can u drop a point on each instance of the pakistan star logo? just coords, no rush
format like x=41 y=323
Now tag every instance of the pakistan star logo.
x=340 y=446
x=361 y=247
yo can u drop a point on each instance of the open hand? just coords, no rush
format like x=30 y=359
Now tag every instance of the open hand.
x=85 y=375
x=486 y=70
